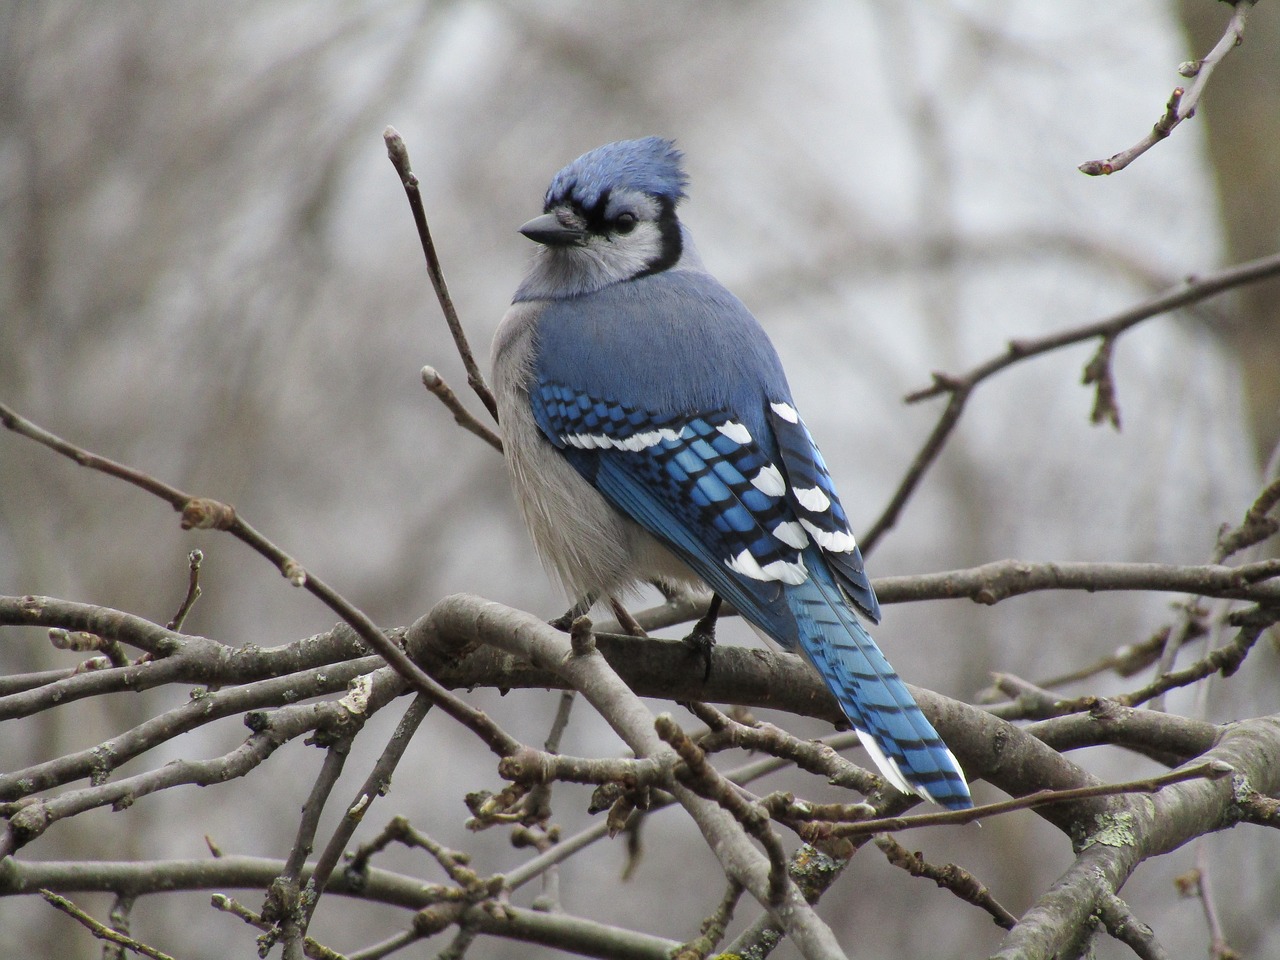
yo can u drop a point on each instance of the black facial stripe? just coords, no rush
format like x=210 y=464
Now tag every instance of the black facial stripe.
x=672 y=244
x=594 y=216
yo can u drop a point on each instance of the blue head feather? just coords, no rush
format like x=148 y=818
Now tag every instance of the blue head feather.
x=650 y=166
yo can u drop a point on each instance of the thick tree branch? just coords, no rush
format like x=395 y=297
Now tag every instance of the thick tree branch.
x=471 y=620
x=1058 y=924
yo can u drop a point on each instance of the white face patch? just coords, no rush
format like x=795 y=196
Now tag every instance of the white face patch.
x=769 y=481
x=735 y=432
x=812 y=499
x=841 y=541
x=786 y=411
x=747 y=565
x=598 y=261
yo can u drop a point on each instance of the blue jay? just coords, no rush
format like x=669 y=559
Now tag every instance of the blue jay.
x=651 y=437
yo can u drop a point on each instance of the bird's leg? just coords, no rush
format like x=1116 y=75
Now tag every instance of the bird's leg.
x=625 y=619
x=703 y=637
x=565 y=620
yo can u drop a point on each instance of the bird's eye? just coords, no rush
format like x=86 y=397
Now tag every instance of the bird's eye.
x=625 y=222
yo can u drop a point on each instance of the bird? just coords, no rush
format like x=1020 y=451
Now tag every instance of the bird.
x=651 y=437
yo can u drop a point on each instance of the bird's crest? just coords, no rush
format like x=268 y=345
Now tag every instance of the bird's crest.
x=651 y=165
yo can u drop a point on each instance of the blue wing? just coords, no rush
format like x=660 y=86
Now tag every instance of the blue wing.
x=665 y=394
x=772 y=540
x=813 y=497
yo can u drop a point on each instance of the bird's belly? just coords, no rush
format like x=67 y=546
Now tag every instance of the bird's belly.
x=581 y=538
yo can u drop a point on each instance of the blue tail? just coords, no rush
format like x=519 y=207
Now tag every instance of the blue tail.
x=904 y=745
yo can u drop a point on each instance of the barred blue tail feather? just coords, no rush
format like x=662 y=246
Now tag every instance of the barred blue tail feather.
x=904 y=745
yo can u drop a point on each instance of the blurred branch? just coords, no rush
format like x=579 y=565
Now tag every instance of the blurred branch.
x=1182 y=102
x=399 y=155
x=959 y=388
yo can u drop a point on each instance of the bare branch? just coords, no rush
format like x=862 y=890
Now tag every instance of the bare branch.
x=1182 y=102
x=959 y=388
x=285 y=903
x=101 y=930
x=1134 y=832
x=375 y=785
x=827 y=813
x=399 y=155
x=432 y=380
x=950 y=877
x=708 y=783
x=194 y=559
x=202 y=513
x=1256 y=526
x=99 y=761
x=713 y=928
x=270 y=731
x=1128 y=929
x=992 y=582
x=471 y=620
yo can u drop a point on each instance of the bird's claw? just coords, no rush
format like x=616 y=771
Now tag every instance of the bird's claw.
x=701 y=641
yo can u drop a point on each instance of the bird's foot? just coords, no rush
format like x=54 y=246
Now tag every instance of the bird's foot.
x=579 y=609
x=702 y=639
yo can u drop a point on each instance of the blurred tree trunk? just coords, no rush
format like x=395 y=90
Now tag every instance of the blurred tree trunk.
x=1242 y=117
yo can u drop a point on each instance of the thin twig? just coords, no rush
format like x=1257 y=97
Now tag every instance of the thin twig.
x=745 y=774
x=375 y=785
x=708 y=782
x=285 y=895
x=313 y=948
x=1225 y=659
x=1209 y=770
x=991 y=583
x=1183 y=101
x=399 y=155
x=101 y=930
x=387 y=947
x=194 y=559
x=960 y=388
x=120 y=922
x=949 y=877
x=1219 y=949
x=713 y=927
x=203 y=513
x=432 y=380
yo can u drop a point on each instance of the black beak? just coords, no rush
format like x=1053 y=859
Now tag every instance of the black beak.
x=547 y=229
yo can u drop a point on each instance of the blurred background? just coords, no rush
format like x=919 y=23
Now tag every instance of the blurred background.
x=208 y=270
